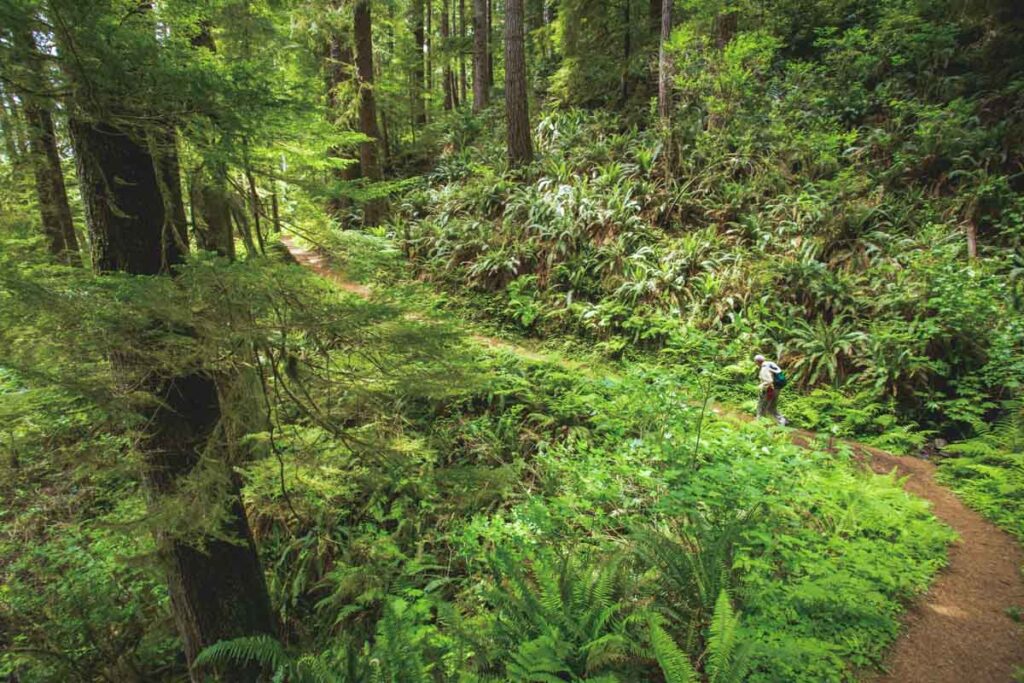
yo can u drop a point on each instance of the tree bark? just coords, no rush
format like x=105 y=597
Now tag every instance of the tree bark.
x=257 y=210
x=490 y=45
x=7 y=123
x=627 y=49
x=124 y=209
x=418 y=102
x=446 y=71
x=369 y=155
x=520 y=146
x=217 y=592
x=462 y=51
x=15 y=127
x=51 y=192
x=216 y=586
x=339 y=70
x=665 y=64
x=164 y=149
x=211 y=211
x=971 y=231
x=275 y=210
x=726 y=23
x=480 y=90
x=428 y=48
x=208 y=194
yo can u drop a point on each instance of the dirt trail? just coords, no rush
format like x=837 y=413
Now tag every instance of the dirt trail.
x=959 y=632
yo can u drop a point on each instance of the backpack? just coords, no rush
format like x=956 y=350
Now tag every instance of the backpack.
x=779 y=377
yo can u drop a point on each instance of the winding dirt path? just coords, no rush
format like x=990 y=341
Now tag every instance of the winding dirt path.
x=958 y=632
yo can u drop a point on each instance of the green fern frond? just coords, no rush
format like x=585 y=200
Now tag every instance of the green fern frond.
x=541 y=659
x=722 y=638
x=605 y=650
x=674 y=663
x=262 y=649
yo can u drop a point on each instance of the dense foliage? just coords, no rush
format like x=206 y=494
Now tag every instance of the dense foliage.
x=835 y=184
x=412 y=511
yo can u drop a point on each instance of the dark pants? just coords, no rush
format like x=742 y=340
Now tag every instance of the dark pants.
x=768 y=405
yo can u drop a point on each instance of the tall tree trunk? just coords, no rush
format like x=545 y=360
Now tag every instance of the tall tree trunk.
x=51 y=193
x=520 y=147
x=665 y=64
x=654 y=19
x=339 y=70
x=627 y=49
x=725 y=27
x=275 y=210
x=480 y=89
x=123 y=206
x=446 y=71
x=50 y=190
x=211 y=211
x=971 y=231
x=428 y=49
x=7 y=124
x=490 y=45
x=369 y=155
x=163 y=145
x=15 y=126
x=462 y=52
x=208 y=193
x=385 y=140
x=257 y=210
x=216 y=585
x=419 y=105
x=218 y=591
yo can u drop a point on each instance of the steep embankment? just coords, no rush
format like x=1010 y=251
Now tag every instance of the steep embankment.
x=960 y=631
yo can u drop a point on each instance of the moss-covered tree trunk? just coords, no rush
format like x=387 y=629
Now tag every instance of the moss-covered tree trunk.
x=7 y=123
x=217 y=587
x=50 y=190
x=46 y=165
x=212 y=211
x=369 y=154
x=340 y=71
x=208 y=192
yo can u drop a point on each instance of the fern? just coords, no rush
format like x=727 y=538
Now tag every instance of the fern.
x=568 y=614
x=263 y=650
x=674 y=663
x=727 y=655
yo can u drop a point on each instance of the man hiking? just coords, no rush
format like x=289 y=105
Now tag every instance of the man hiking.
x=772 y=379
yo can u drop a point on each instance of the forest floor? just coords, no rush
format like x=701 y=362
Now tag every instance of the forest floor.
x=960 y=631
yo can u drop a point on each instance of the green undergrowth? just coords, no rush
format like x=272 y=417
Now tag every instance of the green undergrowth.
x=988 y=471
x=564 y=456
x=427 y=509
x=542 y=464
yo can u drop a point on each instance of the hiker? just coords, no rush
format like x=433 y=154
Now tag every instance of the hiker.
x=772 y=379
